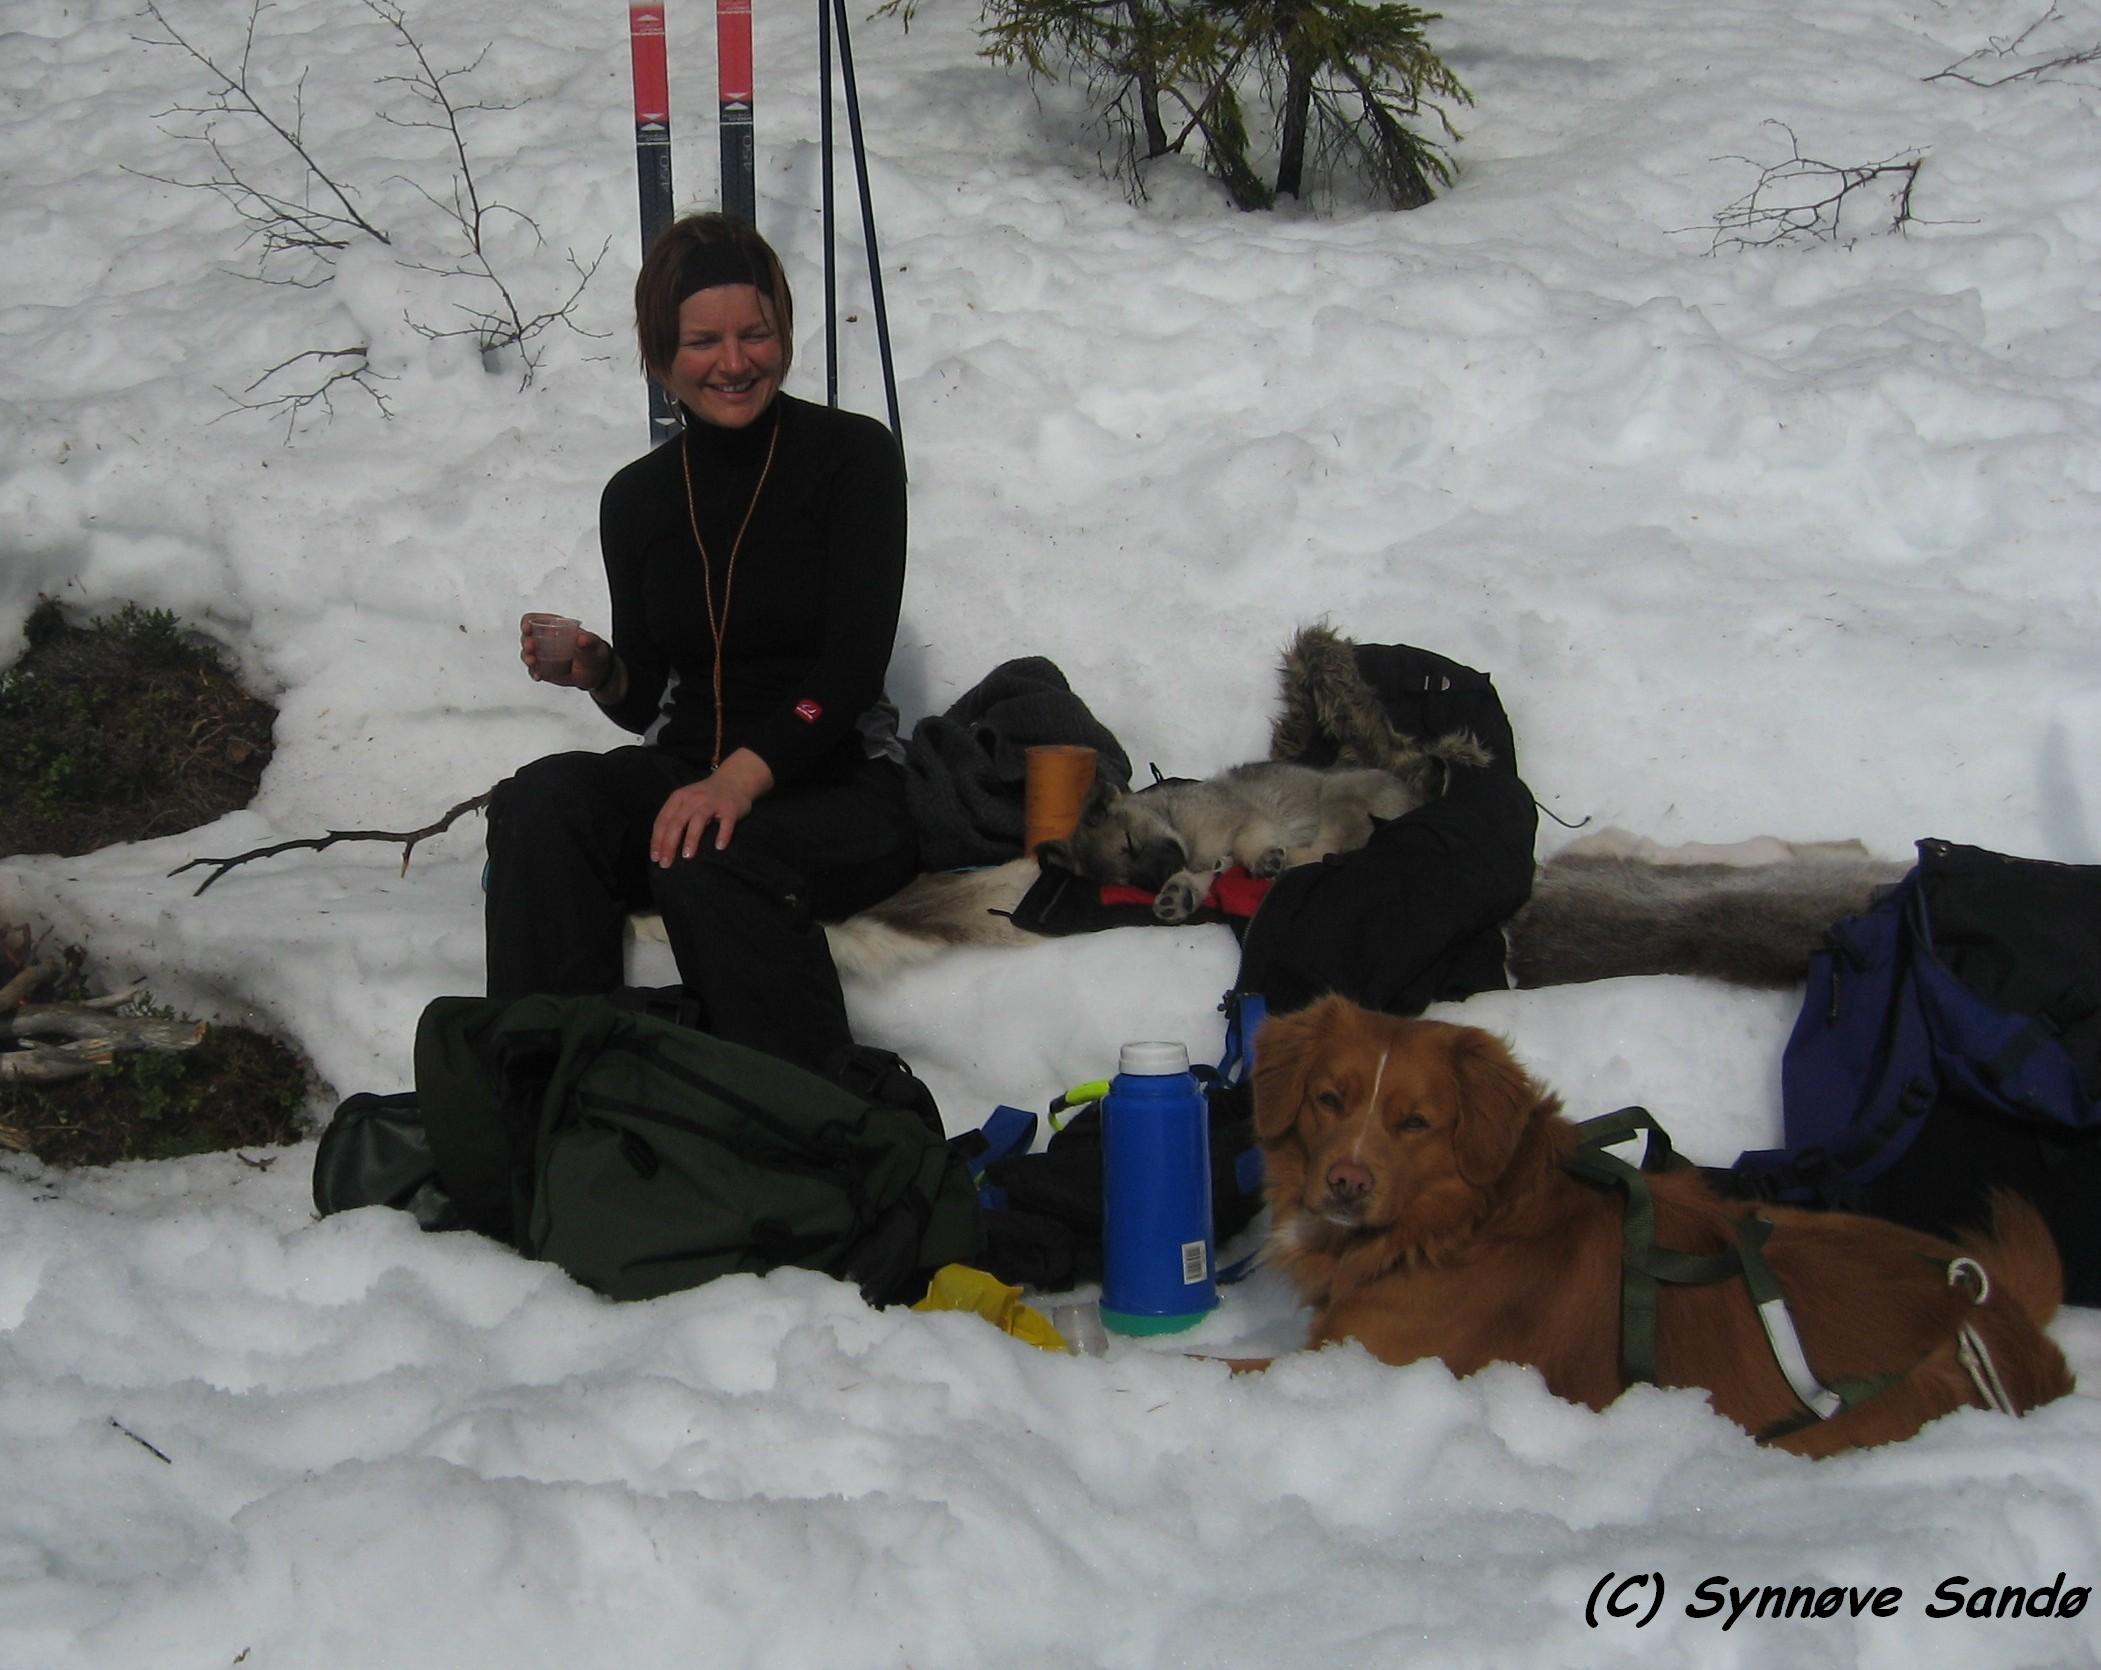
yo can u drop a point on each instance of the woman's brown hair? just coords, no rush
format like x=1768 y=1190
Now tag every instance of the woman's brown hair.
x=692 y=253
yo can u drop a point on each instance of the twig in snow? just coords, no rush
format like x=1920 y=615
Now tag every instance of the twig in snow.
x=407 y=838
x=283 y=221
x=1802 y=197
x=361 y=377
x=2050 y=69
x=142 y=1444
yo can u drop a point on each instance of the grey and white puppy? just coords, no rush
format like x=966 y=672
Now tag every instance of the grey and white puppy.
x=1171 y=839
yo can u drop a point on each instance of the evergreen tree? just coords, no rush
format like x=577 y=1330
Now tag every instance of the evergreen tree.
x=1340 y=84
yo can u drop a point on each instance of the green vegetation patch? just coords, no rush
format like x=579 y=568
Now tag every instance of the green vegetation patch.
x=124 y=729
x=238 y=1089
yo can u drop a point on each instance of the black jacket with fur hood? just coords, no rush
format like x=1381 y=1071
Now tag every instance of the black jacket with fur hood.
x=1417 y=915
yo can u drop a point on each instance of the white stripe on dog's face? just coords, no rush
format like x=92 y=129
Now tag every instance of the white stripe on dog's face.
x=1370 y=1116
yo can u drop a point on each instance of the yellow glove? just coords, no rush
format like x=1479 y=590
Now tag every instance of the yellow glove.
x=959 y=1287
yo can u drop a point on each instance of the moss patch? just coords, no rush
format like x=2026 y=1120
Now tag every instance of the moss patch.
x=122 y=730
x=125 y=729
x=237 y=1089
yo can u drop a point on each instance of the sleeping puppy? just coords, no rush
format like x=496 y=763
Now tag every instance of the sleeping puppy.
x=1173 y=838
x=1419 y=1203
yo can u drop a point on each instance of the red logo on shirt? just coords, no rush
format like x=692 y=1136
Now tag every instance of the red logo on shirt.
x=808 y=711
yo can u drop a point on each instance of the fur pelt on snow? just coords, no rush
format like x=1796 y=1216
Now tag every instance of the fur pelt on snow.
x=1750 y=914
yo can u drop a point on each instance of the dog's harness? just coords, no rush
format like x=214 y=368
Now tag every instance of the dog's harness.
x=1970 y=1349
x=1644 y=1266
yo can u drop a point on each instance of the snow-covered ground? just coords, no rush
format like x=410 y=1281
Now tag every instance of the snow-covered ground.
x=1794 y=540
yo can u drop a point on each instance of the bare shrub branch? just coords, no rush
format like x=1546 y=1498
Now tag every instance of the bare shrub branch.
x=287 y=222
x=494 y=330
x=1804 y=198
x=293 y=402
x=283 y=223
x=2050 y=69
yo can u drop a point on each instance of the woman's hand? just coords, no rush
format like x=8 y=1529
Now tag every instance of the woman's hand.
x=721 y=798
x=590 y=668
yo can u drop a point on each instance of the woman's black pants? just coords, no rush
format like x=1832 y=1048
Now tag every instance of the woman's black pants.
x=569 y=861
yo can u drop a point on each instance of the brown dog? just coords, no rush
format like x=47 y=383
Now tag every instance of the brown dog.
x=1418 y=1201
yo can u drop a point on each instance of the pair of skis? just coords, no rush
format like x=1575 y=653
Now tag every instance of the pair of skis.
x=734 y=90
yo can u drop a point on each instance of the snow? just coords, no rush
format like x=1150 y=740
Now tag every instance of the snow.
x=1792 y=540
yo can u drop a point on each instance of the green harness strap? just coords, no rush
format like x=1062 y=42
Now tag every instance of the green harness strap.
x=1644 y=1265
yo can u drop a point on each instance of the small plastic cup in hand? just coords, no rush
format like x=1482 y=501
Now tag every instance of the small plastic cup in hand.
x=554 y=643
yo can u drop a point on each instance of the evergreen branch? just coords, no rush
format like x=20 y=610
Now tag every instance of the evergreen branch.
x=1342 y=76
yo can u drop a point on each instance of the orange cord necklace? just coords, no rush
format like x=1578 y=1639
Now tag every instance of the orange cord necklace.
x=718 y=619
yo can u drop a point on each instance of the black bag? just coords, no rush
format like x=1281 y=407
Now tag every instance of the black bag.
x=1416 y=915
x=643 y=1156
x=375 y=1152
x=1950 y=1043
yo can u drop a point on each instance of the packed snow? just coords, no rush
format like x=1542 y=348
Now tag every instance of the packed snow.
x=1790 y=538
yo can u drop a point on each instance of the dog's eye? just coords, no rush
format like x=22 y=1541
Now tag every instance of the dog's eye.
x=1413 y=1122
x=1329 y=1101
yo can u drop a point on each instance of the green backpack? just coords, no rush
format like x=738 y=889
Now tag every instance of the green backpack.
x=644 y=1157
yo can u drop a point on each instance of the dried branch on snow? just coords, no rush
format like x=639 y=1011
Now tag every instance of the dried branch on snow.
x=282 y=221
x=2049 y=69
x=407 y=839
x=1802 y=197
x=502 y=323
x=318 y=214
x=292 y=402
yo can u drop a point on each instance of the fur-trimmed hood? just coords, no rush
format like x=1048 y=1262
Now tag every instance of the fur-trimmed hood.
x=1329 y=714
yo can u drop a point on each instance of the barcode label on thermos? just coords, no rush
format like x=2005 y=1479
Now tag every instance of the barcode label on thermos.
x=1193 y=1266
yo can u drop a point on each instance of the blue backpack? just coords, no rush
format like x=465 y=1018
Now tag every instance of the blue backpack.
x=1950 y=1043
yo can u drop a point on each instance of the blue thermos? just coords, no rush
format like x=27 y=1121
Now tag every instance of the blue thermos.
x=1158 y=1261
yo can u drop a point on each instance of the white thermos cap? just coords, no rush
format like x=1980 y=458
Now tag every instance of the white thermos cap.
x=1153 y=1060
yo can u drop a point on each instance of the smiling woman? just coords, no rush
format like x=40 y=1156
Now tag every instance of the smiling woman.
x=755 y=564
x=730 y=357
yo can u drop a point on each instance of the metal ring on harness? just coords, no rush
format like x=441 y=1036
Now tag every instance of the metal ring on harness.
x=1980 y=1282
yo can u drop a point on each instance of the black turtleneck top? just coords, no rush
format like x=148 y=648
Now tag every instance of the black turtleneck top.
x=811 y=611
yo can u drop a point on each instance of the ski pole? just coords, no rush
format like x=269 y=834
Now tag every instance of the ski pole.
x=875 y=266
x=824 y=151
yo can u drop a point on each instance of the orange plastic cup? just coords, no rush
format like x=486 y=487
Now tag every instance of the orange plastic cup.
x=1059 y=776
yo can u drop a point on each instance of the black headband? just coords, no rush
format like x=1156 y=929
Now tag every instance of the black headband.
x=706 y=265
